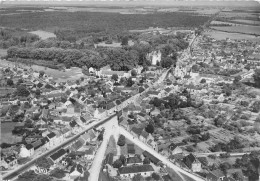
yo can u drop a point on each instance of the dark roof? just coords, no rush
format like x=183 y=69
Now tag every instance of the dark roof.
x=28 y=146
x=78 y=168
x=73 y=123
x=10 y=158
x=51 y=135
x=137 y=131
x=134 y=159
x=136 y=169
x=141 y=89
x=189 y=160
x=172 y=146
x=151 y=157
x=131 y=148
x=58 y=154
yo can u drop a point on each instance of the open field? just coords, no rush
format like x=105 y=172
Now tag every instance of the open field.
x=246 y=21
x=237 y=15
x=43 y=34
x=246 y=29
x=73 y=73
x=219 y=35
x=6 y=132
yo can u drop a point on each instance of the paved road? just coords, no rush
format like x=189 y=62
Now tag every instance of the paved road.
x=16 y=172
x=160 y=157
x=110 y=129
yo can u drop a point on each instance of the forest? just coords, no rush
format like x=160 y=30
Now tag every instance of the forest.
x=79 y=24
x=54 y=52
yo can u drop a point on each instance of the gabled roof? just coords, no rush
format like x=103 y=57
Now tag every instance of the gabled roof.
x=28 y=146
x=137 y=131
x=131 y=148
x=189 y=160
x=73 y=123
x=51 y=135
x=135 y=169
x=10 y=158
x=58 y=154
x=134 y=160
x=79 y=168
x=144 y=134
x=154 y=159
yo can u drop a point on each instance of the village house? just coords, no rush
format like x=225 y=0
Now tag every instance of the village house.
x=76 y=171
x=131 y=171
x=57 y=156
x=136 y=160
x=9 y=162
x=192 y=163
x=26 y=151
x=175 y=149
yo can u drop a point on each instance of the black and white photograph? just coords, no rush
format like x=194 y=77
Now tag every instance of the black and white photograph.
x=130 y=90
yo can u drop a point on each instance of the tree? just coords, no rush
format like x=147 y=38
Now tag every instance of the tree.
x=138 y=177
x=130 y=82
x=155 y=176
x=219 y=121
x=43 y=163
x=124 y=41
x=117 y=164
x=22 y=91
x=58 y=173
x=121 y=140
x=256 y=77
x=133 y=73
x=114 y=77
x=123 y=159
x=224 y=167
x=27 y=176
x=10 y=82
x=238 y=176
x=146 y=161
x=237 y=79
x=205 y=136
x=149 y=128
x=195 y=68
x=41 y=73
x=203 y=81
x=19 y=81
x=167 y=62
x=255 y=107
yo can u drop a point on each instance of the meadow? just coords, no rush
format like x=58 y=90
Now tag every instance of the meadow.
x=219 y=35
x=245 y=29
x=245 y=21
x=6 y=132
x=43 y=34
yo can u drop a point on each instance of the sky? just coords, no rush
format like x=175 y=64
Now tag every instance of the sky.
x=141 y=2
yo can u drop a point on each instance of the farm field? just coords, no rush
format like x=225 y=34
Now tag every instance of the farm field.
x=237 y=15
x=240 y=29
x=219 y=35
x=246 y=21
x=43 y=34
x=6 y=132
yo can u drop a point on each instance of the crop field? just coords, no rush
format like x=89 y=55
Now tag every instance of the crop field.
x=246 y=29
x=238 y=15
x=246 y=21
x=6 y=132
x=219 y=35
x=43 y=34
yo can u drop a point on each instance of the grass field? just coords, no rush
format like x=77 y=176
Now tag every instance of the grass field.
x=43 y=34
x=246 y=21
x=6 y=132
x=240 y=29
x=219 y=35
